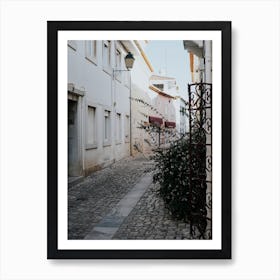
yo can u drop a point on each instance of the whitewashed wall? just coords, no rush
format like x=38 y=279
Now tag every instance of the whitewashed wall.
x=140 y=75
x=104 y=93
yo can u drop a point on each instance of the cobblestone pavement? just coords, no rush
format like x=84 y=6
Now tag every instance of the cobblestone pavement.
x=151 y=220
x=92 y=199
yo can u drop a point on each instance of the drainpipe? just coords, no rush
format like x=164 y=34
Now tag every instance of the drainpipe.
x=208 y=61
x=130 y=123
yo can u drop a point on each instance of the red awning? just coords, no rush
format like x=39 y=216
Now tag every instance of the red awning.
x=155 y=120
x=170 y=124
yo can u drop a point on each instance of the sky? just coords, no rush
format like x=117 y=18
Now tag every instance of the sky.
x=171 y=57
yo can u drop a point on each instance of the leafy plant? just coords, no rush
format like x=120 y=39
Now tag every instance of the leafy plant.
x=181 y=174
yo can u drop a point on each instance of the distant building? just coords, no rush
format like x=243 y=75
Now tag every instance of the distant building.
x=177 y=112
x=165 y=84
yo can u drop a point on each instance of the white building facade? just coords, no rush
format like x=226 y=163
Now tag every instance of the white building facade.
x=98 y=105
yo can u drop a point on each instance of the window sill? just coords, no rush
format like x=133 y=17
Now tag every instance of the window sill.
x=72 y=45
x=92 y=60
x=91 y=146
x=119 y=80
x=108 y=70
x=106 y=144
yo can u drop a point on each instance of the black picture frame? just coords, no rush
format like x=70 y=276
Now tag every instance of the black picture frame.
x=53 y=27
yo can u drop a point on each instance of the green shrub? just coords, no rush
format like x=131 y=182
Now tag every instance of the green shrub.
x=181 y=174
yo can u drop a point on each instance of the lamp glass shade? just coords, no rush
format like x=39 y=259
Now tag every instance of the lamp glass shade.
x=129 y=60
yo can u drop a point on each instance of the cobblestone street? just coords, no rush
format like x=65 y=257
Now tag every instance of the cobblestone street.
x=121 y=202
x=151 y=220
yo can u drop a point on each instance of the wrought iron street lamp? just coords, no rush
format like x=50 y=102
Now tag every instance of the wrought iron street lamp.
x=129 y=61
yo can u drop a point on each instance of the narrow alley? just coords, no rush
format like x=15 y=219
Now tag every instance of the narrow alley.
x=121 y=202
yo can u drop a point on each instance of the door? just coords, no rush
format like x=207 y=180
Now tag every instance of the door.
x=73 y=152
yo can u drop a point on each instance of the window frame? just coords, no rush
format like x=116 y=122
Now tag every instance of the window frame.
x=108 y=67
x=118 y=64
x=107 y=141
x=72 y=44
x=118 y=128
x=127 y=129
x=91 y=54
x=94 y=144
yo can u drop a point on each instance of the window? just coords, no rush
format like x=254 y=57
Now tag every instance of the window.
x=126 y=128
x=91 y=51
x=72 y=44
x=91 y=128
x=118 y=65
x=118 y=129
x=118 y=59
x=159 y=86
x=106 y=55
x=107 y=127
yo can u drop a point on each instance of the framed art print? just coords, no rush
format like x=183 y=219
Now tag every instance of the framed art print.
x=139 y=140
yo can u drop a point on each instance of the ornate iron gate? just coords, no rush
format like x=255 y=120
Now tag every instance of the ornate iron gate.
x=200 y=159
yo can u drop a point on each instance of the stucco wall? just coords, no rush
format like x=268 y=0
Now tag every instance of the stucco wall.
x=140 y=75
x=103 y=92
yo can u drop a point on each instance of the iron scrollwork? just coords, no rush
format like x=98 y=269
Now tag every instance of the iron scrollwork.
x=200 y=137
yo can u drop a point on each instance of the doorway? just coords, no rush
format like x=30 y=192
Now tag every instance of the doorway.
x=73 y=151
